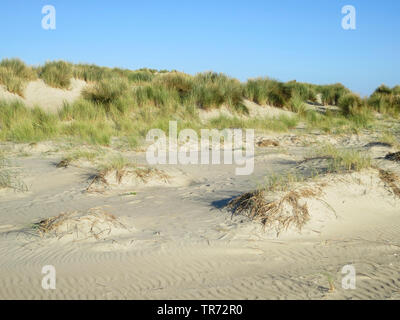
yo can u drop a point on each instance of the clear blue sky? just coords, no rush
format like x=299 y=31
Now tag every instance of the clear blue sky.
x=285 y=39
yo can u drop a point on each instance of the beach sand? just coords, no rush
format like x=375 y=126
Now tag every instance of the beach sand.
x=177 y=239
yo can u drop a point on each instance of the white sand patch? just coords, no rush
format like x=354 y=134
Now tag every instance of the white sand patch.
x=37 y=93
x=310 y=208
x=255 y=111
x=265 y=111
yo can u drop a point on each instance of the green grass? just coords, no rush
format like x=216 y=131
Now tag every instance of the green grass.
x=305 y=91
x=331 y=94
x=116 y=163
x=389 y=138
x=14 y=75
x=90 y=72
x=21 y=124
x=386 y=100
x=337 y=123
x=344 y=160
x=123 y=105
x=212 y=90
x=267 y=91
x=56 y=74
x=83 y=154
x=282 y=182
x=297 y=105
x=106 y=91
x=350 y=104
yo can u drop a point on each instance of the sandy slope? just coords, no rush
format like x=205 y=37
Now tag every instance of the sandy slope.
x=37 y=93
x=183 y=244
x=255 y=111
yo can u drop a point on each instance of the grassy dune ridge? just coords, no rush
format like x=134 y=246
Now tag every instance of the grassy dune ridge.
x=127 y=103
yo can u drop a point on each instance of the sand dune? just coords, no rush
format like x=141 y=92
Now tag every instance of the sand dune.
x=182 y=242
x=37 y=93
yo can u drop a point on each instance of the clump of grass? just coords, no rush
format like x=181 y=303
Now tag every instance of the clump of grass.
x=351 y=104
x=305 y=91
x=19 y=68
x=96 y=133
x=122 y=167
x=386 y=100
x=389 y=138
x=157 y=96
x=282 y=182
x=180 y=82
x=57 y=74
x=297 y=105
x=90 y=72
x=275 y=213
x=337 y=123
x=331 y=94
x=344 y=160
x=11 y=82
x=21 y=124
x=212 y=90
x=117 y=163
x=106 y=91
x=96 y=224
x=141 y=77
x=267 y=91
x=82 y=110
x=14 y=75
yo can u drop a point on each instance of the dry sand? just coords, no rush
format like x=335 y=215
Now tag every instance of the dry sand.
x=37 y=93
x=177 y=240
x=181 y=243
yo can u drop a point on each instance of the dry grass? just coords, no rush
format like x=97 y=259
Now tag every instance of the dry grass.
x=393 y=156
x=267 y=143
x=279 y=214
x=145 y=174
x=391 y=180
x=14 y=75
x=64 y=163
x=96 y=224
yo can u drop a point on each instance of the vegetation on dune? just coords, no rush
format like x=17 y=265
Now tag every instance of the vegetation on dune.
x=126 y=104
x=386 y=100
x=268 y=91
x=331 y=94
x=106 y=91
x=279 y=94
x=21 y=124
x=56 y=74
x=351 y=104
x=343 y=160
x=14 y=75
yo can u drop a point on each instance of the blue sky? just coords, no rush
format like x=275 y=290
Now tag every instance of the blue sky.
x=285 y=39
